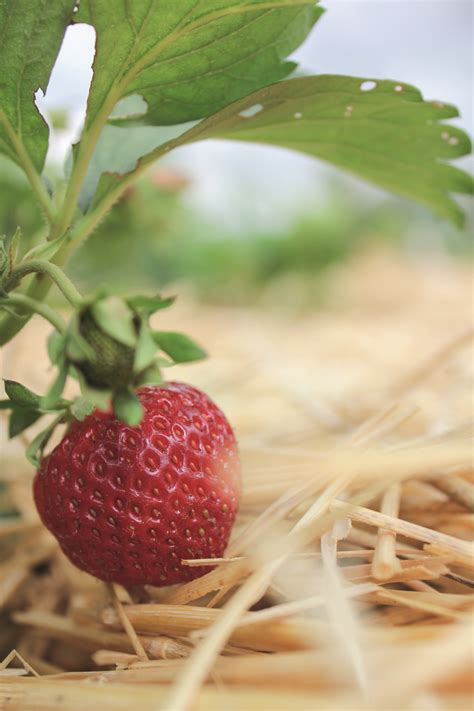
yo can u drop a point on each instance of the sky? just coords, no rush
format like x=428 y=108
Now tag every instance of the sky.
x=428 y=43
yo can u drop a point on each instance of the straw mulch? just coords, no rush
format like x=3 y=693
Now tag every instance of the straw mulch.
x=348 y=583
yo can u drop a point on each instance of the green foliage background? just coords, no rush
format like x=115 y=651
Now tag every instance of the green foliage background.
x=152 y=240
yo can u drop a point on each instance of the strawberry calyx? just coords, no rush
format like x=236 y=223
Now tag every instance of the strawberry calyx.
x=110 y=348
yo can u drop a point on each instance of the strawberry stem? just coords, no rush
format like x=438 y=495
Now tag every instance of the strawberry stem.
x=33 y=306
x=10 y=324
x=41 y=266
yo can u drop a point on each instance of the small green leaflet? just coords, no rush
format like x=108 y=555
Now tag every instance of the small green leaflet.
x=147 y=305
x=21 y=395
x=20 y=419
x=24 y=406
x=179 y=347
x=32 y=33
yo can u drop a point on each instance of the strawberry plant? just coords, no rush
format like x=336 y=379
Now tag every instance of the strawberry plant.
x=147 y=471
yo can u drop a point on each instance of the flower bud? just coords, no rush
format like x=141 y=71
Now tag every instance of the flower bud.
x=109 y=327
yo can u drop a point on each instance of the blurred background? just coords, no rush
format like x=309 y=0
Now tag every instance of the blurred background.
x=245 y=224
x=321 y=300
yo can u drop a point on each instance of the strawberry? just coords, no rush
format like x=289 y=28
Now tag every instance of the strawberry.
x=127 y=504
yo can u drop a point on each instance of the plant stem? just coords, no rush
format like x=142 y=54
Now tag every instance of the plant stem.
x=37 y=307
x=37 y=290
x=41 y=266
x=30 y=170
x=86 y=150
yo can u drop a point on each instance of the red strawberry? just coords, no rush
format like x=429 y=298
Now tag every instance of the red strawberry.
x=128 y=504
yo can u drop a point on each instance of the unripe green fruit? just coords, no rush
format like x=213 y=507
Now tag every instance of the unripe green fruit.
x=112 y=365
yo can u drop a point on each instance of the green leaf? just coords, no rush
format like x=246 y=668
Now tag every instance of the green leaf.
x=387 y=136
x=127 y=407
x=178 y=346
x=119 y=149
x=188 y=59
x=21 y=395
x=168 y=64
x=382 y=131
x=81 y=408
x=20 y=419
x=6 y=405
x=115 y=319
x=32 y=33
x=148 y=305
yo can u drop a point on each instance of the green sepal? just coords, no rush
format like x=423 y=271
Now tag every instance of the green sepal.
x=152 y=375
x=147 y=305
x=115 y=319
x=52 y=398
x=127 y=407
x=81 y=408
x=56 y=347
x=45 y=250
x=20 y=419
x=14 y=245
x=163 y=362
x=179 y=347
x=21 y=395
x=74 y=373
x=4 y=259
x=77 y=348
x=145 y=349
x=35 y=450
x=99 y=398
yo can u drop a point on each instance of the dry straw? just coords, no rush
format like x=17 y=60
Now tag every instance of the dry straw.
x=349 y=581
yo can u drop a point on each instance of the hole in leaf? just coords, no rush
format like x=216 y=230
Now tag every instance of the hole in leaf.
x=129 y=107
x=251 y=111
x=368 y=85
